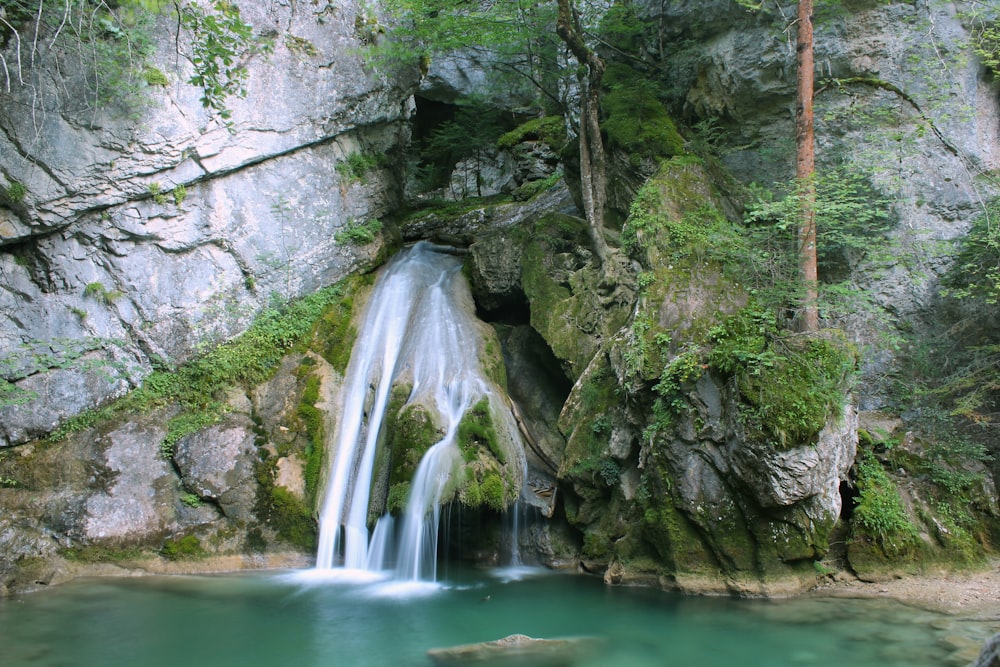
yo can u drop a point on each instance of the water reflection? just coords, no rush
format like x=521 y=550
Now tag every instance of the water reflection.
x=292 y=618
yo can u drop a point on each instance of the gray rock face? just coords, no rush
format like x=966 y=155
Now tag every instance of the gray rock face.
x=154 y=238
x=135 y=500
x=217 y=464
x=110 y=490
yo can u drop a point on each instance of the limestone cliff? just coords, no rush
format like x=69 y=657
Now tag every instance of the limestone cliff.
x=142 y=236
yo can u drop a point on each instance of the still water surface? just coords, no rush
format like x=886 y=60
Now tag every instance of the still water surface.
x=295 y=619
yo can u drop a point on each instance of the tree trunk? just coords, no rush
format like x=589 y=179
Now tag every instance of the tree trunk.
x=805 y=167
x=593 y=162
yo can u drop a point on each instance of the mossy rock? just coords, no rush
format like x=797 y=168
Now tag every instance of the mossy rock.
x=413 y=433
x=336 y=330
x=564 y=289
x=636 y=120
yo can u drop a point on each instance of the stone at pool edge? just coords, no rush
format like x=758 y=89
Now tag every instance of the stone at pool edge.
x=990 y=655
x=518 y=650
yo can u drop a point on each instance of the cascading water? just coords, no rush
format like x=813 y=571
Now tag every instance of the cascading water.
x=418 y=326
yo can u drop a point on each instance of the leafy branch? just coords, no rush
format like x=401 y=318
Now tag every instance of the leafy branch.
x=218 y=39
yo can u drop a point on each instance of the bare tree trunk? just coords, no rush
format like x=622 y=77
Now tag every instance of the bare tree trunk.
x=805 y=167
x=593 y=161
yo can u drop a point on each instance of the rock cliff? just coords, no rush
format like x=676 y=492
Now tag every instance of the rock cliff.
x=137 y=243
x=144 y=237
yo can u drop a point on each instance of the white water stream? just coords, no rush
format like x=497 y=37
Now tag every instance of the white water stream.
x=418 y=325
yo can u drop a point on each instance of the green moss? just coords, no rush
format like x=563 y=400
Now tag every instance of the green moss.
x=476 y=432
x=183 y=548
x=492 y=361
x=154 y=76
x=549 y=129
x=493 y=491
x=292 y=519
x=100 y=553
x=398 y=494
x=411 y=433
x=531 y=189
x=596 y=546
x=636 y=120
x=189 y=422
x=314 y=421
x=301 y=47
x=589 y=426
x=335 y=334
x=790 y=385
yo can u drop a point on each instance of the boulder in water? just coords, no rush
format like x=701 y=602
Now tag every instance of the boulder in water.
x=519 y=650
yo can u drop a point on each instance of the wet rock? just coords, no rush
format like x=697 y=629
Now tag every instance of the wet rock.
x=990 y=654
x=517 y=650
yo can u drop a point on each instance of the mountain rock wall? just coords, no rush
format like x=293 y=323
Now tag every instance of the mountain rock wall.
x=149 y=233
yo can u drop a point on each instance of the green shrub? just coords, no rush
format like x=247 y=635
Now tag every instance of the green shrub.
x=358 y=233
x=16 y=192
x=879 y=511
x=356 y=166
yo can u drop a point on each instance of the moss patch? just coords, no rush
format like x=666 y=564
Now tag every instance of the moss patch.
x=335 y=331
x=636 y=120
x=476 y=432
x=182 y=548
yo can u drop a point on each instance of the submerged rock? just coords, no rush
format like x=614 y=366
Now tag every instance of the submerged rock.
x=517 y=650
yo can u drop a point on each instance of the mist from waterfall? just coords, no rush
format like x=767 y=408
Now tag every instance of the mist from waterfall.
x=419 y=329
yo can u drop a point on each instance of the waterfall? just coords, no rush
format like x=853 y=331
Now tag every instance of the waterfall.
x=419 y=328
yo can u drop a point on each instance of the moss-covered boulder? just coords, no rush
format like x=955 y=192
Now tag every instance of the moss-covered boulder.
x=705 y=445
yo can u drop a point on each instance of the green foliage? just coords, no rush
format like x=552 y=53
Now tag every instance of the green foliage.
x=39 y=356
x=358 y=232
x=16 y=192
x=356 y=166
x=156 y=192
x=247 y=360
x=516 y=42
x=97 y=290
x=852 y=217
x=879 y=511
x=180 y=194
x=192 y=500
x=472 y=130
x=636 y=120
x=219 y=37
x=183 y=548
x=986 y=45
x=976 y=274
